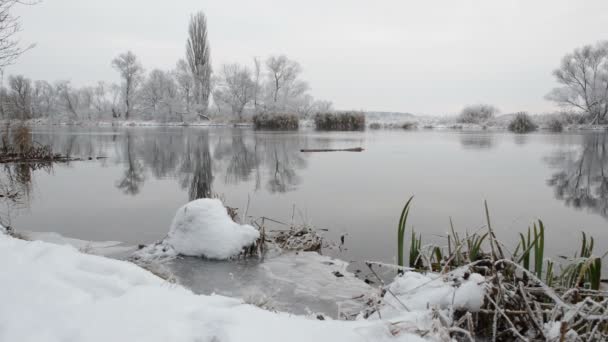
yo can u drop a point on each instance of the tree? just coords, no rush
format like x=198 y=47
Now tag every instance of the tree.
x=68 y=98
x=198 y=56
x=282 y=72
x=159 y=93
x=584 y=78
x=9 y=27
x=257 y=79
x=20 y=96
x=237 y=88
x=185 y=83
x=477 y=114
x=131 y=72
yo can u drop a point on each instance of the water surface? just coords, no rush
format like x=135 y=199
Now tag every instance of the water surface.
x=133 y=194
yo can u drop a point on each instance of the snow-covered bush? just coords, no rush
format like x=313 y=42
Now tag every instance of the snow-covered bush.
x=522 y=123
x=477 y=114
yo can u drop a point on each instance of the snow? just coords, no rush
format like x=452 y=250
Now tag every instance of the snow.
x=202 y=228
x=422 y=291
x=55 y=293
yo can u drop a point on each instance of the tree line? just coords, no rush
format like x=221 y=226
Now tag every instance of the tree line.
x=190 y=91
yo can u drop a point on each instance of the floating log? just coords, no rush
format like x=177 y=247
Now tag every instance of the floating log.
x=354 y=149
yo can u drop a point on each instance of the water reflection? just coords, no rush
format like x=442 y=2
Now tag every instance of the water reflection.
x=133 y=177
x=193 y=156
x=477 y=141
x=582 y=179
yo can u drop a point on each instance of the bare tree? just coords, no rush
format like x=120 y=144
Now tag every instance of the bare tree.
x=257 y=64
x=198 y=56
x=159 y=93
x=43 y=98
x=10 y=49
x=131 y=72
x=68 y=98
x=282 y=72
x=236 y=88
x=20 y=96
x=185 y=83
x=584 y=76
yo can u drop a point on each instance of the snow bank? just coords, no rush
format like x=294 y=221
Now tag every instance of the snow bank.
x=201 y=228
x=54 y=293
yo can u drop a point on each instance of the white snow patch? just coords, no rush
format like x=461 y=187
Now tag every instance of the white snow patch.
x=422 y=291
x=54 y=293
x=201 y=228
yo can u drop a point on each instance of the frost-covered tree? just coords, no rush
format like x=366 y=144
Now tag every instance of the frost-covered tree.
x=131 y=72
x=584 y=78
x=43 y=99
x=236 y=88
x=159 y=95
x=20 y=96
x=477 y=114
x=68 y=98
x=282 y=73
x=198 y=55
x=185 y=84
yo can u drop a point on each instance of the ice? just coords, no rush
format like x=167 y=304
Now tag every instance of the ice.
x=296 y=282
x=114 y=249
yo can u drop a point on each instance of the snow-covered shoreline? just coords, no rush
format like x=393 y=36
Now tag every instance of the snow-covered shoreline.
x=56 y=293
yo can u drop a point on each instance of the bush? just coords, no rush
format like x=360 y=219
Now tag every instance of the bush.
x=522 y=123
x=276 y=121
x=375 y=125
x=477 y=114
x=555 y=125
x=341 y=121
x=409 y=125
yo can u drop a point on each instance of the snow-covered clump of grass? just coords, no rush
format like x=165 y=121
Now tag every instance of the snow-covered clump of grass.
x=202 y=228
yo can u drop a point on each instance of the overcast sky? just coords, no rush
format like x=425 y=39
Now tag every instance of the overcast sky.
x=425 y=57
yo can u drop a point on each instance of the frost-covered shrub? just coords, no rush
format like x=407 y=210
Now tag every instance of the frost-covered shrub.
x=276 y=121
x=340 y=121
x=476 y=114
x=375 y=125
x=522 y=123
x=555 y=125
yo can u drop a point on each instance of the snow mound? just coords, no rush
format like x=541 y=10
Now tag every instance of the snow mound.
x=55 y=293
x=460 y=291
x=204 y=228
x=201 y=228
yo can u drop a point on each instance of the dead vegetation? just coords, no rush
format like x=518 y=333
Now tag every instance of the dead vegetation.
x=19 y=147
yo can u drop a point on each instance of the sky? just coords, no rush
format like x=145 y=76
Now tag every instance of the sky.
x=424 y=57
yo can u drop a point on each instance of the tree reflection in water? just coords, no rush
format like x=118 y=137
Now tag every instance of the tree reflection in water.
x=133 y=177
x=582 y=179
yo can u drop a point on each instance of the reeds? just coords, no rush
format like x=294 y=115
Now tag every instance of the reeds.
x=526 y=293
x=340 y=121
x=276 y=121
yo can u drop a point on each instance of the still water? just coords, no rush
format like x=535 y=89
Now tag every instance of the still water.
x=133 y=193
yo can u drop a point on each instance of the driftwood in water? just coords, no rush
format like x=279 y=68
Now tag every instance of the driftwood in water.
x=355 y=149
